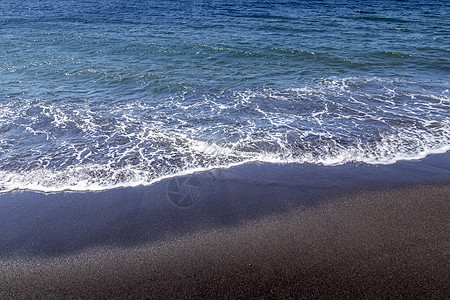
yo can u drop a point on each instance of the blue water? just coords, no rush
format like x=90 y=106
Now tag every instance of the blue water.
x=99 y=94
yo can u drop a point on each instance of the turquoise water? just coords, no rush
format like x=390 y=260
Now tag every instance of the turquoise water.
x=101 y=94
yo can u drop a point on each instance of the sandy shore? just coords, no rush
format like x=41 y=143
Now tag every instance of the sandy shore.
x=255 y=231
x=378 y=243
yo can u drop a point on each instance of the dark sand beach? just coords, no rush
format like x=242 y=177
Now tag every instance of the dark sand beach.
x=253 y=231
x=224 y=149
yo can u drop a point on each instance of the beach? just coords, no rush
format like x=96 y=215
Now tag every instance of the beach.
x=243 y=237
x=224 y=149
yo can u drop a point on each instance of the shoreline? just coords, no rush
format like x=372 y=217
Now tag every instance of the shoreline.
x=250 y=231
x=215 y=169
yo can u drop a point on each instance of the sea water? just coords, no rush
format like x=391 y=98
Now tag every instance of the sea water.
x=98 y=94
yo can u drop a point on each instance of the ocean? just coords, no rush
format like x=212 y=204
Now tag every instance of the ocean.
x=100 y=94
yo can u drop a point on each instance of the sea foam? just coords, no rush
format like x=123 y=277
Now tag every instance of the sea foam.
x=88 y=145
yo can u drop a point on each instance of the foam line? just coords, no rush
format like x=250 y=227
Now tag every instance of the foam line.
x=55 y=146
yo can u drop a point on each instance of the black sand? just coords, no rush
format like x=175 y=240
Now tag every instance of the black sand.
x=255 y=231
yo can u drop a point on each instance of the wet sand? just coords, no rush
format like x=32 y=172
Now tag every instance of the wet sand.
x=279 y=240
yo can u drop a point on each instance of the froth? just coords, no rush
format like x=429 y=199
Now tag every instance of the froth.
x=91 y=145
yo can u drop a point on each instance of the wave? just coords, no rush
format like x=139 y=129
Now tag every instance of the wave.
x=68 y=145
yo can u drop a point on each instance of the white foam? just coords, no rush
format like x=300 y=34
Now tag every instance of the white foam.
x=93 y=147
